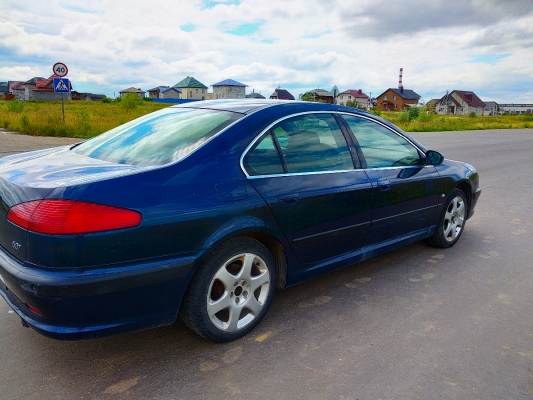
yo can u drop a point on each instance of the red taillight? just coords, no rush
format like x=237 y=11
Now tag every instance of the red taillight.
x=66 y=217
x=34 y=309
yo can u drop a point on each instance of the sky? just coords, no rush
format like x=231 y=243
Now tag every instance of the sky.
x=485 y=46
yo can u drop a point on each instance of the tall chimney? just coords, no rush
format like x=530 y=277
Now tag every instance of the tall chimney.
x=400 y=83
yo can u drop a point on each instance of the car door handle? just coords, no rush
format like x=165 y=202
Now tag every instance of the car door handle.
x=289 y=200
x=383 y=185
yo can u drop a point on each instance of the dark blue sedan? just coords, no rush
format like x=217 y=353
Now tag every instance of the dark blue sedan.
x=203 y=209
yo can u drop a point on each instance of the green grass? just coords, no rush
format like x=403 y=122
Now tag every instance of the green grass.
x=85 y=119
x=437 y=122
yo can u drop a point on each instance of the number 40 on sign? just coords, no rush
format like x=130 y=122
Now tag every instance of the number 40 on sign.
x=60 y=69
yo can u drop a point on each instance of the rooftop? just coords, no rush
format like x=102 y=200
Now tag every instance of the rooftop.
x=190 y=82
x=228 y=82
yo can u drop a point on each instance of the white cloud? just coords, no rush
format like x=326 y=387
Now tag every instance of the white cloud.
x=115 y=44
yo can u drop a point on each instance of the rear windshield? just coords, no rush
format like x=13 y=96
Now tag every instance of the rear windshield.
x=158 y=138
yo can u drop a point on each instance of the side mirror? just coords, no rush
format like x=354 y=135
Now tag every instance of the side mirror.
x=434 y=157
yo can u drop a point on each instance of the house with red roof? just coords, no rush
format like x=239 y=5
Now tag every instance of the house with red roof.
x=460 y=102
x=352 y=95
x=44 y=90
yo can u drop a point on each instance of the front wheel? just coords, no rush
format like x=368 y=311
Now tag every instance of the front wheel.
x=231 y=291
x=452 y=221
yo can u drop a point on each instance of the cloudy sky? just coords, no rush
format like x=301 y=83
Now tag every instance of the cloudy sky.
x=110 y=45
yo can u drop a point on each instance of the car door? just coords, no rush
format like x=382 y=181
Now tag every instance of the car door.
x=303 y=168
x=405 y=189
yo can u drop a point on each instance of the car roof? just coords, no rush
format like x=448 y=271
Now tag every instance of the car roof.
x=250 y=105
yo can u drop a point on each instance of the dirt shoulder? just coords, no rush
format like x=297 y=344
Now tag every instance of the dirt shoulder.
x=13 y=142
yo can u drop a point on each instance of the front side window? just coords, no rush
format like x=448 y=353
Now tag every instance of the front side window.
x=158 y=138
x=381 y=147
x=312 y=143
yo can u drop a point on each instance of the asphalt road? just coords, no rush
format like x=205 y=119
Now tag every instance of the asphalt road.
x=416 y=323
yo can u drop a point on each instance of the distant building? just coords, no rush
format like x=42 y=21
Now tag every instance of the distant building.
x=229 y=89
x=29 y=86
x=281 y=94
x=321 y=95
x=87 y=96
x=491 y=108
x=460 y=102
x=44 y=90
x=255 y=95
x=357 y=96
x=517 y=108
x=17 y=88
x=192 y=89
x=397 y=99
x=140 y=93
x=4 y=88
x=164 y=92
x=430 y=105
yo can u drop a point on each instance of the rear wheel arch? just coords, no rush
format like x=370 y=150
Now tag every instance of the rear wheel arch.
x=278 y=254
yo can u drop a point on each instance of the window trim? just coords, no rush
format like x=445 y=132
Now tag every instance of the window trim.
x=350 y=143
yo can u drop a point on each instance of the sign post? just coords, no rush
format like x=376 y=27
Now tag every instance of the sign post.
x=61 y=85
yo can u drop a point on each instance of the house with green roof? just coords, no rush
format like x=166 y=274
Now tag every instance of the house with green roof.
x=192 y=89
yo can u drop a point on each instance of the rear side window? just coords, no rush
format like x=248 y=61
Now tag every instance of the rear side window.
x=313 y=143
x=263 y=158
x=158 y=138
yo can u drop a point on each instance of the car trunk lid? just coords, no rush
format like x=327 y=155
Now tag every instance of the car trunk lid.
x=32 y=176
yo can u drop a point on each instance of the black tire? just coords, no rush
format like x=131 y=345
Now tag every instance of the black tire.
x=451 y=221
x=231 y=291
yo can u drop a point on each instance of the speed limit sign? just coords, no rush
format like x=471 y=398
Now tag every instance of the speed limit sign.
x=60 y=69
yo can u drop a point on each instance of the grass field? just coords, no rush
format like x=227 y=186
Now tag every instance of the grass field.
x=85 y=119
x=435 y=122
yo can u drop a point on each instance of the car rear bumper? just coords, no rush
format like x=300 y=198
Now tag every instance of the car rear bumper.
x=81 y=304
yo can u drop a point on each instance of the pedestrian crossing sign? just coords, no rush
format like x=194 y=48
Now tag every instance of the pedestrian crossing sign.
x=61 y=85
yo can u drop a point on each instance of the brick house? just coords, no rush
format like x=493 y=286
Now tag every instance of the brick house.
x=229 y=89
x=191 y=89
x=460 y=102
x=357 y=96
x=397 y=99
